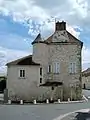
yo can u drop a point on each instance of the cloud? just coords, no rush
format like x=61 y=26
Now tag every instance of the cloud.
x=73 y=31
x=80 y=7
x=7 y=55
x=22 y=10
x=38 y=15
x=85 y=57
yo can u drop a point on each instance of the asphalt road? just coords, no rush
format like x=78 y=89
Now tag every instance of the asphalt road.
x=38 y=112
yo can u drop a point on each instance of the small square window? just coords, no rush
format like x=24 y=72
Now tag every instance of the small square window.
x=40 y=80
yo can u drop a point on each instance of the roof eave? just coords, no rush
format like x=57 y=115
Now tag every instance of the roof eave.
x=14 y=61
x=39 y=42
x=75 y=37
x=22 y=61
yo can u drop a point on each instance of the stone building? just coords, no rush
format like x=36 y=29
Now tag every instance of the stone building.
x=86 y=79
x=52 y=71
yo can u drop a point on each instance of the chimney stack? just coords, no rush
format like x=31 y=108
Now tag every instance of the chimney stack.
x=60 y=26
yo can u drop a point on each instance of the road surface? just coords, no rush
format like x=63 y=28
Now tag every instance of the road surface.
x=38 y=112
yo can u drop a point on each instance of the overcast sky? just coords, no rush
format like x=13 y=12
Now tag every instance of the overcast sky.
x=22 y=20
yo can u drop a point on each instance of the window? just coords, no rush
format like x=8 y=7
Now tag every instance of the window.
x=22 y=73
x=41 y=71
x=56 y=67
x=49 y=68
x=34 y=49
x=52 y=88
x=40 y=80
x=72 y=68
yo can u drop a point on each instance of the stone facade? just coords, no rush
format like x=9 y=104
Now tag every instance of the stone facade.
x=60 y=47
x=86 y=79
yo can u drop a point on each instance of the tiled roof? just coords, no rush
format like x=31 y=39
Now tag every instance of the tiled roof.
x=23 y=61
x=72 y=39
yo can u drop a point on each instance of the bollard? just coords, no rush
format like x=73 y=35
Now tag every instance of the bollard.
x=9 y=101
x=34 y=101
x=68 y=99
x=47 y=101
x=58 y=100
x=21 y=102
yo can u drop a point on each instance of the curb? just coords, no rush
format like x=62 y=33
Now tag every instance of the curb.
x=66 y=102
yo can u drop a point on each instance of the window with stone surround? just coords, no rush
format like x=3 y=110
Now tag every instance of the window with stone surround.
x=49 y=68
x=56 y=67
x=72 y=67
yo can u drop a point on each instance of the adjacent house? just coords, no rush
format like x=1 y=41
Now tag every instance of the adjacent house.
x=86 y=79
x=52 y=71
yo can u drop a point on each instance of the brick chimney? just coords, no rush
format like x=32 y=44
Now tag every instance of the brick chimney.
x=60 y=26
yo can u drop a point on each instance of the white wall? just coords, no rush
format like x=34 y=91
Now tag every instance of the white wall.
x=22 y=87
x=28 y=88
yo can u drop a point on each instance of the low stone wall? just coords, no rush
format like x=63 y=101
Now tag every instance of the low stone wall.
x=43 y=93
